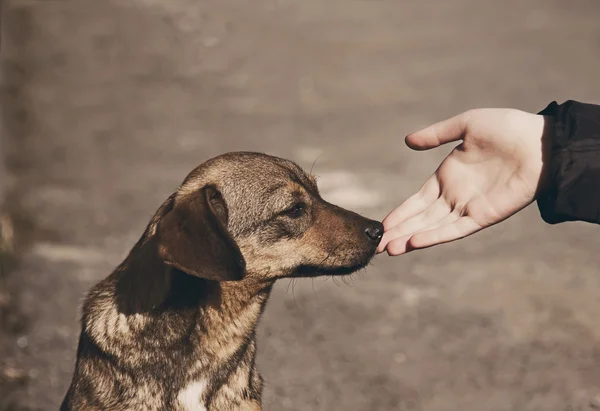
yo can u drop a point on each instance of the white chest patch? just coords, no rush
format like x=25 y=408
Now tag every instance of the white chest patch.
x=190 y=397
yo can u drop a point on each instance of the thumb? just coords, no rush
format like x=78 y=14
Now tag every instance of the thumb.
x=440 y=133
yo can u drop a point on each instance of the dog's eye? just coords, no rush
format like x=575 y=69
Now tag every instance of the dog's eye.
x=295 y=211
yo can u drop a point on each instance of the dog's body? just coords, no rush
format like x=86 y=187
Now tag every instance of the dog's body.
x=174 y=326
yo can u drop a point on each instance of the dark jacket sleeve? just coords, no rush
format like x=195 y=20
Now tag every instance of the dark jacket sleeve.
x=573 y=185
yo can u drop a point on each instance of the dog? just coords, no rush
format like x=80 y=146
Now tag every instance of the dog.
x=174 y=326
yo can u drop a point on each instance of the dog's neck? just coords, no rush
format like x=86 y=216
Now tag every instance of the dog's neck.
x=145 y=293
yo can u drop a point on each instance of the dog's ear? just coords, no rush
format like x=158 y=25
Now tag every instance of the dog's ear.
x=193 y=238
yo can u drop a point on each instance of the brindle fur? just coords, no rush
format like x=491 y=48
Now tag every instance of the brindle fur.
x=174 y=326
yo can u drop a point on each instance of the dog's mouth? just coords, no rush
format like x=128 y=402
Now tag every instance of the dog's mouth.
x=319 y=270
x=351 y=264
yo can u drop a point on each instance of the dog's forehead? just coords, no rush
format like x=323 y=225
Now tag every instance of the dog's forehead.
x=248 y=175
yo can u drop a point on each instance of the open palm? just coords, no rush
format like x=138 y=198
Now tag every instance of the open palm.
x=495 y=172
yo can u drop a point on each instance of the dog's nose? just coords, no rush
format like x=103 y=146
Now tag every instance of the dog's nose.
x=375 y=231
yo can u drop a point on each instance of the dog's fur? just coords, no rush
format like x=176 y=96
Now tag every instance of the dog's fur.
x=174 y=326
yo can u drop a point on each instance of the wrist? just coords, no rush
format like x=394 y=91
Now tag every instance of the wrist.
x=547 y=137
x=535 y=135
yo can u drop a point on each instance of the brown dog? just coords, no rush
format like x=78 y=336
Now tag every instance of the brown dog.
x=174 y=326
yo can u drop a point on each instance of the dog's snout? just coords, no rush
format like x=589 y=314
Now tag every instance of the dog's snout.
x=375 y=231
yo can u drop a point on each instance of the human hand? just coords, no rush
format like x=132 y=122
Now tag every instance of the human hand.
x=495 y=172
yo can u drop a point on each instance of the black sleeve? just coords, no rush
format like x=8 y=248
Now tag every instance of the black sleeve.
x=573 y=191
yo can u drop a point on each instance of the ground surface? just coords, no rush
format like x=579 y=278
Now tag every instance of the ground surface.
x=108 y=105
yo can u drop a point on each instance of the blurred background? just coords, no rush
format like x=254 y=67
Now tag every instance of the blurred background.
x=107 y=105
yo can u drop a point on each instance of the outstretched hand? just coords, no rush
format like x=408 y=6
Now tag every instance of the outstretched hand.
x=496 y=171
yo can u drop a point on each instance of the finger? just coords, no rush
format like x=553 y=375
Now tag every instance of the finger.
x=400 y=245
x=449 y=219
x=461 y=228
x=428 y=218
x=452 y=129
x=428 y=193
x=444 y=234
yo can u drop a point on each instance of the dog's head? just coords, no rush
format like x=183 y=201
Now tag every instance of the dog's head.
x=253 y=215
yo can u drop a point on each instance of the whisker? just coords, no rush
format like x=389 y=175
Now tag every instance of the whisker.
x=293 y=294
x=313 y=164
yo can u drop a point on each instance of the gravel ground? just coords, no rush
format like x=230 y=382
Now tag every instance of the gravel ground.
x=108 y=105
